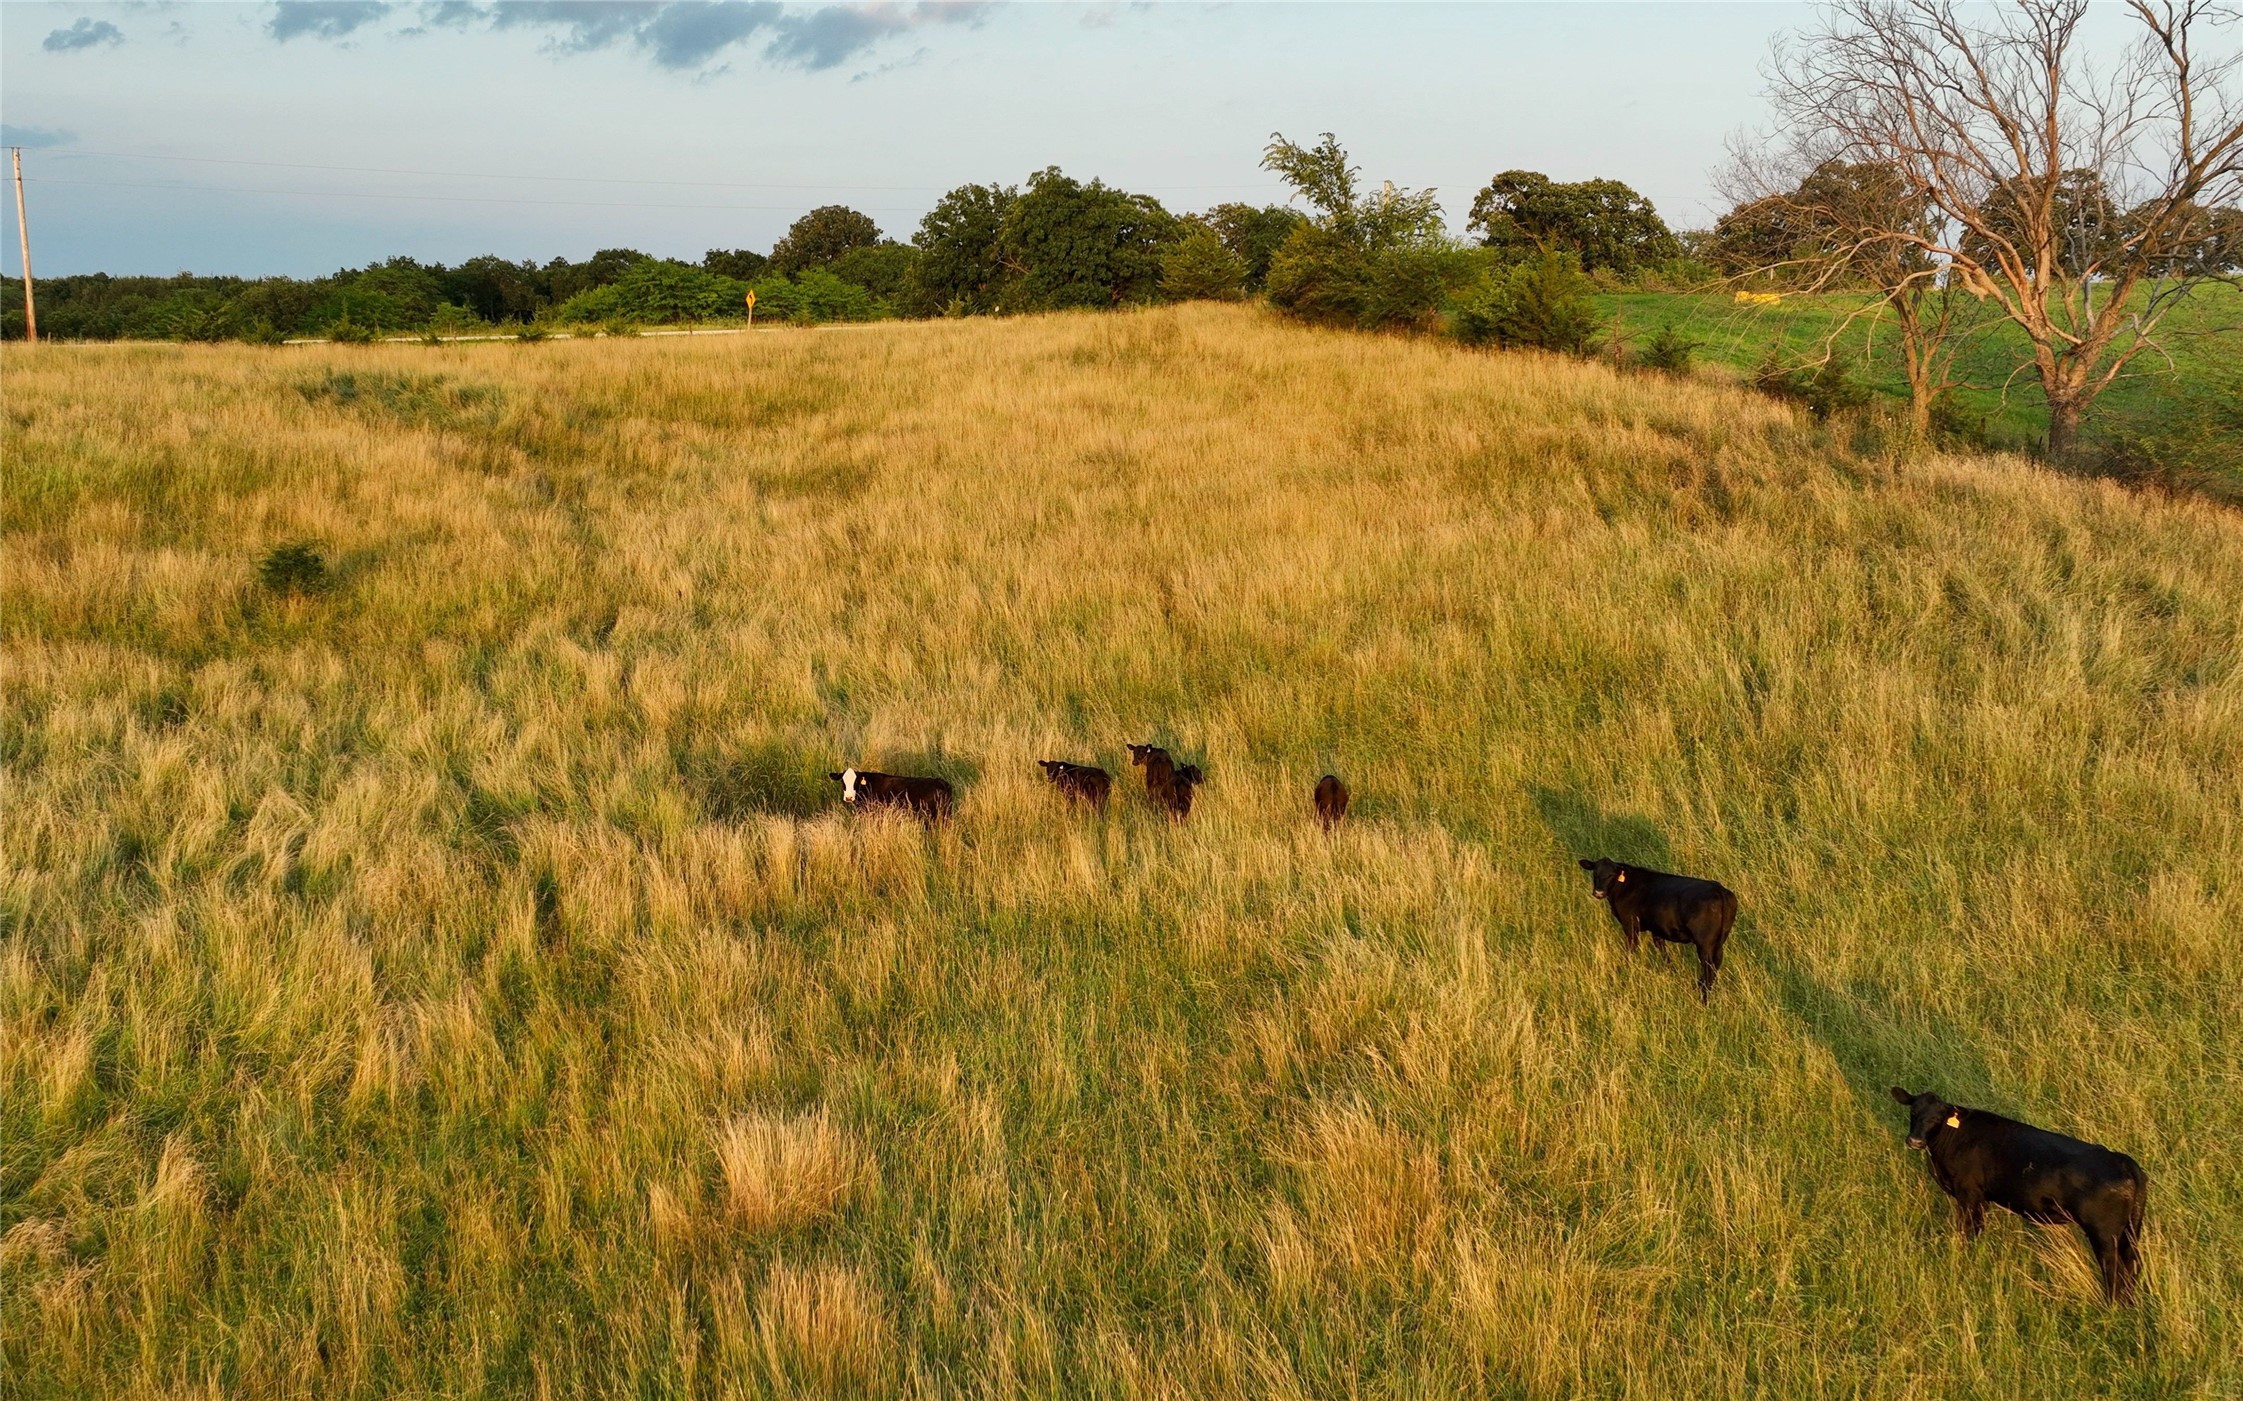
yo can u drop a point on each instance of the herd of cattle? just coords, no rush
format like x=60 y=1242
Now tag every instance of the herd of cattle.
x=1976 y=1156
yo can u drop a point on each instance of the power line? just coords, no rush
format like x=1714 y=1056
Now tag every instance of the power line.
x=585 y=179
x=442 y=199
x=483 y=175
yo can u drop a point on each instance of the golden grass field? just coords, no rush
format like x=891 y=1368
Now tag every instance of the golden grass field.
x=461 y=981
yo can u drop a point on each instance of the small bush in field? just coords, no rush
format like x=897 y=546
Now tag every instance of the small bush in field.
x=1668 y=350
x=1825 y=390
x=295 y=569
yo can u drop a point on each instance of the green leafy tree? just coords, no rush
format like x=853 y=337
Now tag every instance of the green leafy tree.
x=2197 y=242
x=822 y=235
x=1253 y=234
x=1075 y=245
x=564 y=279
x=738 y=263
x=495 y=289
x=2085 y=221
x=1197 y=267
x=883 y=269
x=1368 y=260
x=1603 y=223
x=961 y=245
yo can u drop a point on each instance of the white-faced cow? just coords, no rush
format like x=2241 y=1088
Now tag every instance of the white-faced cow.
x=928 y=799
x=1083 y=782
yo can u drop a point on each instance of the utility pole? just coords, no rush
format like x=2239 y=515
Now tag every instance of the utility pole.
x=30 y=313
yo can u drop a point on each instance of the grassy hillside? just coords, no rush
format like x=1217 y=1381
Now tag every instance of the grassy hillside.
x=2202 y=338
x=457 y=979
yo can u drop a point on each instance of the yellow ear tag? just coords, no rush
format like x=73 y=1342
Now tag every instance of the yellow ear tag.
x=1954 y=1121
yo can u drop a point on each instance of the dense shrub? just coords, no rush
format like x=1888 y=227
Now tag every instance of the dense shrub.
x=1197 y=267
x=1541 y=302
x=1254 y=235
x=190 y=314
x=657 y=291
x=2194 y=444
x=884 y=269
x=822 y=296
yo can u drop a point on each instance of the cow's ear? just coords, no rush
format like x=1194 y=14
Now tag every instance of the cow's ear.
x=1903 y=1096
x=1587 y=864
x=834 y=776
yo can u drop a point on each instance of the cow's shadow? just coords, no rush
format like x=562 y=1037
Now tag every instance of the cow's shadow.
x=1586 y=830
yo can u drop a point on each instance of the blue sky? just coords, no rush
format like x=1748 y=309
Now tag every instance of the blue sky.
x=302 y=137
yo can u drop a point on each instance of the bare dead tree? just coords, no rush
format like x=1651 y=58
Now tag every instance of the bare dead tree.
x=2016 y=148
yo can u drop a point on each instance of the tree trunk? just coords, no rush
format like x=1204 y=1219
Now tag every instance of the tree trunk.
x=2063 y=426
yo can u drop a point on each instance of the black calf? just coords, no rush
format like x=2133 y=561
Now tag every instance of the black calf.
x=1676 y=909
x=1081 y=781
x=1331 y=800
x=1169 y=786
x=1979 y=1157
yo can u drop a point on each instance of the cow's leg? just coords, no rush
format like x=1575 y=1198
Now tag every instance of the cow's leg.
x=1634 y=933
x=2126 y=1266
x=1970 y=1215
x=1709 y=963
x=2116 y=1277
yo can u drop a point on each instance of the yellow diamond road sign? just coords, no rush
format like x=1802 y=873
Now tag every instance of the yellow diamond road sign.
x=751 y=298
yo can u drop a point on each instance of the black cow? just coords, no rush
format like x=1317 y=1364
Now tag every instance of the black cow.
x=1331 y=800
x=1169 y=786
x=1676 y=909
x=1083 y=781
x=1979 y=1157
x=1180 y=789
x=929 y=799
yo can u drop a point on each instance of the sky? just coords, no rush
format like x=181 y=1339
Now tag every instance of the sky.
x=303 y=136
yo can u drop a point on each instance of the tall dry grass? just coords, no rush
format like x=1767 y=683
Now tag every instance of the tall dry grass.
x=459 y=980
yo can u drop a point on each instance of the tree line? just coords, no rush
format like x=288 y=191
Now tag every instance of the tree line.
x=1053 y=242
